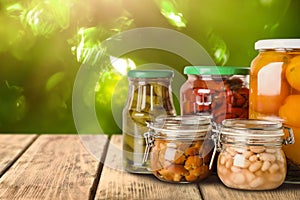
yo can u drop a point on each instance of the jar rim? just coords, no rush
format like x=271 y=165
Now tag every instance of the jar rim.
x=150 y=74
x=255 y=126
x=277 y=44
x=181 y=127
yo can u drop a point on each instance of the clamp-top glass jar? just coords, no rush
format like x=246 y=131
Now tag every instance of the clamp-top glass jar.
x=181 y=148
x=149 y=96
x=275 y=88
x=218 y=91
x=251 y=155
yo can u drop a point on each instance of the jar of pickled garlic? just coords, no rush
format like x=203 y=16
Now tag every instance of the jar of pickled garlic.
x=251 y=155
x=149 y=96
x=181 y=148
x=275 y=88
x=217 y=91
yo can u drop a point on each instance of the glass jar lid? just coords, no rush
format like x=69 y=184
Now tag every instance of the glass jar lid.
x=180 y=127
x=251 y=132
x=150 y=74
x=216 y=70
x=277 y=44
x=252 y=128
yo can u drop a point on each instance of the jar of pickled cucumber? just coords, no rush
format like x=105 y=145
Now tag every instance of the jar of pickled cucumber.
x=275 y=89
x=149 y=96
x=217 y=91
x=251 y=155
x=181 y=148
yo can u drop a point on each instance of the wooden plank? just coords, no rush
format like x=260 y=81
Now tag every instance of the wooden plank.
x=115 y=183
x=213 y=188
x=11 y=147
x=54 y=167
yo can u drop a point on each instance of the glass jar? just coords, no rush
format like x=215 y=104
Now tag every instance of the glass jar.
x=181 y=148
x=218 y=91
x=149 y=96
x=251 y=155
x=275 y=88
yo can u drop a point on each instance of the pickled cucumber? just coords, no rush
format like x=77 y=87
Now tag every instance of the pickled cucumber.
x=148 y=101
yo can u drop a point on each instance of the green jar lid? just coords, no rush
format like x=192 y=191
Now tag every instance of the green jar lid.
x=150 y=73
x=216 y=70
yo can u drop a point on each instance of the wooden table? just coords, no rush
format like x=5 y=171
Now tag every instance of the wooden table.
x=90 y=167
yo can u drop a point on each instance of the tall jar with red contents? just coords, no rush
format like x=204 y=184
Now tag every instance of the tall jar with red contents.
x=217 y=91
x=275 y=87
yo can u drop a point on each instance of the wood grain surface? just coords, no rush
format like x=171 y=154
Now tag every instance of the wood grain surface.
x=12 y=146
x=73 y=167
x=53 y=167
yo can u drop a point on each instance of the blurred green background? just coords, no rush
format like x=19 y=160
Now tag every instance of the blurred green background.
x=43 y=43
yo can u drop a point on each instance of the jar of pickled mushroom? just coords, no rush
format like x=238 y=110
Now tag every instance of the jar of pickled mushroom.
x=181 y=148
x=251 y=155
x=217 y=91
x=275 y=89
x=149 y=96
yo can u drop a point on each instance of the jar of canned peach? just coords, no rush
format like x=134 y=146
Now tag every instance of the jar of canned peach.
x=251 y=155
x=275 y=88
x=181 y=148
